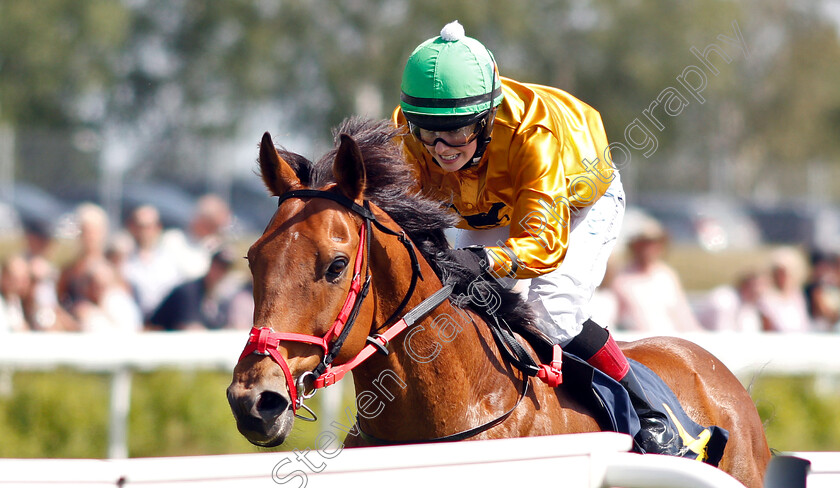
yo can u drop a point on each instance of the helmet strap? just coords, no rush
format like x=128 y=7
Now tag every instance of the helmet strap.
x=483 y=139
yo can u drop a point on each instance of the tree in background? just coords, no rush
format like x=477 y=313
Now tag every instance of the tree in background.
x=161 y=86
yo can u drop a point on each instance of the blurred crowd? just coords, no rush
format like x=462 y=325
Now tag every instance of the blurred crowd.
x=139 y=276
x=129 y=277
x=794 y=291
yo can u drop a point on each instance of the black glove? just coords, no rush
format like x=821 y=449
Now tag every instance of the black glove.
x=472 y=258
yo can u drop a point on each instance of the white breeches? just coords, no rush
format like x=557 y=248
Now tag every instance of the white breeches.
x=561 y=298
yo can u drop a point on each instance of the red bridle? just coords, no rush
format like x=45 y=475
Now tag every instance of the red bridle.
x=265 y=341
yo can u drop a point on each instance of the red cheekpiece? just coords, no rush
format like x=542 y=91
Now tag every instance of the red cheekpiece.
x=610 y=360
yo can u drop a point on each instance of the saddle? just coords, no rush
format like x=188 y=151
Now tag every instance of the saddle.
x=608 y=401
x=610 y=404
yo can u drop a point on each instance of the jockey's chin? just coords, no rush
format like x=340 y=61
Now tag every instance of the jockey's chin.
x=451 y=159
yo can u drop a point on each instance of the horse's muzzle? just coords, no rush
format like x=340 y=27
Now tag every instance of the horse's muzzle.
x=262 y=415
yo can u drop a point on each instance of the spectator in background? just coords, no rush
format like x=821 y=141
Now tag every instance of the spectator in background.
x=93 y=234
x=208 y=231
x=42 y=303
x=201 y=303
x=117 y=251
x=106 y=306
x=784 y=303
x=241 y=309
x=736 y=308
x=149 y=269
x=15 y=283
x=822 y=291
x=41 y=306
x=38 y=238
x=604 y=305
x=649 y=292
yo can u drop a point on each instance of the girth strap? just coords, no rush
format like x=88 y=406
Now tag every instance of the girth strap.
x=460 y=436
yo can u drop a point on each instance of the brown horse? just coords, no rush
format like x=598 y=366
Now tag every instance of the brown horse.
x=445 y=374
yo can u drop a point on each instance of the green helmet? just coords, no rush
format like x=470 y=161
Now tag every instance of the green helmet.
x=449 y=81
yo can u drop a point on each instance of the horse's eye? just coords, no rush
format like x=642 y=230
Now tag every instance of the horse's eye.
x=336 y=268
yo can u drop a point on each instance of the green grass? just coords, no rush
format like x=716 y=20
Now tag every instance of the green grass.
x=173 y=413
x=55 y=415
x=799 y=412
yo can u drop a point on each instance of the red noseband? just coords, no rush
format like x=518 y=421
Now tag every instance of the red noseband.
x=264 y=341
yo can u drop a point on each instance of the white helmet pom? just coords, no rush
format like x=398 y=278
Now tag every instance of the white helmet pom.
x=452 y=31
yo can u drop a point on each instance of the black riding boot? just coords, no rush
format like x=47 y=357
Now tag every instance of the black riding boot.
x=656 y=435
x=595 y=345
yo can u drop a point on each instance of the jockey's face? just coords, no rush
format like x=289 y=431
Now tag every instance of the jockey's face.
x=452 y=158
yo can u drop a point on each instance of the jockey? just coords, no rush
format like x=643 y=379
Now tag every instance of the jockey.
x=541 y=202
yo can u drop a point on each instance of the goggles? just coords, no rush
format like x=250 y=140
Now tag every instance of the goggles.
x=453 y=138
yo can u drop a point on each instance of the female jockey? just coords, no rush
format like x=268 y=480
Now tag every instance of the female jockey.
x=540 y=201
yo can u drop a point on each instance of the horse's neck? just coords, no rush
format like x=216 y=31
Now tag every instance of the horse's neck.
x=443 y=374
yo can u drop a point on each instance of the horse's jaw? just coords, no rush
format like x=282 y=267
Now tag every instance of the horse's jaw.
x=269 y=435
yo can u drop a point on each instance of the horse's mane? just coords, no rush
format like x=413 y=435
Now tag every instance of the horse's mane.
x=391 y=186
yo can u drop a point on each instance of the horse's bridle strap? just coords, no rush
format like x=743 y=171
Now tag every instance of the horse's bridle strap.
x=263 y=340
x=336 y=373
x=363 y=212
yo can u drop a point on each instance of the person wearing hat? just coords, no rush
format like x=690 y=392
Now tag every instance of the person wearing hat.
x=650 y=294
x=528 y=169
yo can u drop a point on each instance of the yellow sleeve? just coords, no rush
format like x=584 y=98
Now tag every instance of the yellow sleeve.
x=539 y=230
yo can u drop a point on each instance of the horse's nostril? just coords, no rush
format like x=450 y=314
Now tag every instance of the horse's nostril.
x=270 y=401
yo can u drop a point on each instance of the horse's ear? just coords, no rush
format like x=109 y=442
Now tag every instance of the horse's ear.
x=349 y=168
x=277 y=174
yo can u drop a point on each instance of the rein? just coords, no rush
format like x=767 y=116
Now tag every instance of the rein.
x=512 y=350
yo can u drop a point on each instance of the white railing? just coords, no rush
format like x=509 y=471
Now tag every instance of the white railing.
x=742 y=353
x=824 y=469
x=772 y=353
x=121 y=354
x=575 y=461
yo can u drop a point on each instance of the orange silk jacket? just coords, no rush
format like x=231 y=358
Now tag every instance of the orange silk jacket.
x=548 y=157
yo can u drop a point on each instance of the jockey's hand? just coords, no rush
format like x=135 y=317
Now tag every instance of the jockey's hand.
x=473 y=259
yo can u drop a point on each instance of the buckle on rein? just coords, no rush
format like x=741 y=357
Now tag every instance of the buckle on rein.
x=552 y=373
x=302 y=395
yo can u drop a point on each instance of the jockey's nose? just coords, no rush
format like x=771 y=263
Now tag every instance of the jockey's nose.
x=440 y=146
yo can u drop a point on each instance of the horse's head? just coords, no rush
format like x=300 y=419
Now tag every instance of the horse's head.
x=303 y=268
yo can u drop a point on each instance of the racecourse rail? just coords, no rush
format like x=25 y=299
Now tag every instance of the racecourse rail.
x=577 y=460
x=591 y=460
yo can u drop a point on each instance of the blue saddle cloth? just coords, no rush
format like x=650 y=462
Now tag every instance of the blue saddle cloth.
x=614 y=411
